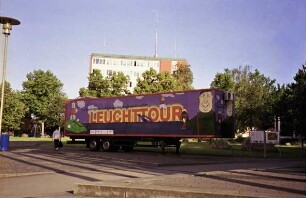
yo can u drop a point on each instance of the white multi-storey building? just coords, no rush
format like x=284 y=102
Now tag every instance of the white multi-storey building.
x=133 y=66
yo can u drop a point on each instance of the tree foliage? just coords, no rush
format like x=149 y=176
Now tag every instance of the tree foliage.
x=167 y=82
x=99 y=86
x=56 y=112
x=253 y=96
x=13 y=110
x=153 y=82
x=299 y=101
x=183 y=76
x=283 y=108
x=41 y=92
x=224 y=81
x=118 y=84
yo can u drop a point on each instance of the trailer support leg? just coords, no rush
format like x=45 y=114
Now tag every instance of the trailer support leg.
x=162 y=144
x=177 y=147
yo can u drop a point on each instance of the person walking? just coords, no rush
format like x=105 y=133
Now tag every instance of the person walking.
x=56 y=139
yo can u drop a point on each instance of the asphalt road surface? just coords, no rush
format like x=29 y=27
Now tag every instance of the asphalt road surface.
x=42 y=172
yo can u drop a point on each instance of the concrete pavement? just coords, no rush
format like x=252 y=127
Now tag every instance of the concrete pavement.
x=235 y=183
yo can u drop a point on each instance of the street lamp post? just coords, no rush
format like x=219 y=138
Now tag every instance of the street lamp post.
x=7 y=23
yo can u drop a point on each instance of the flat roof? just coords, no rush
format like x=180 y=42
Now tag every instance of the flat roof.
x=135 y=57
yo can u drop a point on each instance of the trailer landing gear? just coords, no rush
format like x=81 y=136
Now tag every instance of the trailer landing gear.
x=170 y=143
x=177 y=147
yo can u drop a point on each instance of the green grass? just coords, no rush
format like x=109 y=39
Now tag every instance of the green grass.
x=291 y=151
x=236 y=151
x=12 y=138
x=204 y=148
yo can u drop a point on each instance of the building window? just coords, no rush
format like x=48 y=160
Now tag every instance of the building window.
x=98 y=61
x=136 y=74
x=110 y=72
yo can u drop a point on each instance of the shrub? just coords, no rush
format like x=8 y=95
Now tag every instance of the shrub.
x=221 y=144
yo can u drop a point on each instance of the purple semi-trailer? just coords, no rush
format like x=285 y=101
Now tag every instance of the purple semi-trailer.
x=163 y=119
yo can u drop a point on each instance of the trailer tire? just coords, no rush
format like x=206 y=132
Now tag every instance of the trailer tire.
x=94 y=144
x=107 y=145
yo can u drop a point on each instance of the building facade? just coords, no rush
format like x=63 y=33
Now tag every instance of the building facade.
x=133 y=66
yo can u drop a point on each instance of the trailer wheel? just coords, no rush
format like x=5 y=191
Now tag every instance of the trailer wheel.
x=94 y=144
x=106 y=145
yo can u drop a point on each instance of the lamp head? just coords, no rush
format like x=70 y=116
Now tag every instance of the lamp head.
x=7 y=24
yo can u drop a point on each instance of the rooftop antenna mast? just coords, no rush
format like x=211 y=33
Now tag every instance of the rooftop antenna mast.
x=175 y=48
x=156 y=28
x=104 y=42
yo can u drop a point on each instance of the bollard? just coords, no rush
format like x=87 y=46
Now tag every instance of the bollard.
x=4 y=142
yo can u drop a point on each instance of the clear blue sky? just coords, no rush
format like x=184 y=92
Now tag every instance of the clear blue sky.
x=60 y=35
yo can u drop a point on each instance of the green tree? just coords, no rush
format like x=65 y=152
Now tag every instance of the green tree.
x=167 y=83
x=183 y=76
x=84 y=92
x=223 y=81
x=299 y=102
x=283 y=109
x=40 y=92
x=13 y=110
x=118 y=84
x=153 y=82
x=149 y=82
x=253 y=96
x=56 y=112
x=99 y=86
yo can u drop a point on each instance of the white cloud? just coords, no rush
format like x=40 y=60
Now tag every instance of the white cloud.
x=168 y=95
x=92 y=107
x=118 y=104
x=81 y=104
x=163 y=106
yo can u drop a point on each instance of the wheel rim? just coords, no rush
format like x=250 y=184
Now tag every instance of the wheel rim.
x=93 y=144
x=106 y=145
